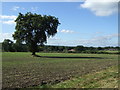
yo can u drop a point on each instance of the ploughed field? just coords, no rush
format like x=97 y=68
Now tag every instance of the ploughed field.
x=21 y=70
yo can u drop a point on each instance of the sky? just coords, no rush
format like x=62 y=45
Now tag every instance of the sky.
x=87 y=23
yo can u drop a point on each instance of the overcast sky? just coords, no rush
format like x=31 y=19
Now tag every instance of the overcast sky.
x=86 y=23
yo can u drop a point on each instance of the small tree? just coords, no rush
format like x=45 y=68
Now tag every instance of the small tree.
x=7 y=45
x=79 y=48
x=34 y=29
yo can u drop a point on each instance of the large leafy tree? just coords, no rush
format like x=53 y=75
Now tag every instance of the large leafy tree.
x=34 y=29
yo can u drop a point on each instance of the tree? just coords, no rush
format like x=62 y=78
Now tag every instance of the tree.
x=79 y=48
x=19 y=47
x=34 y=29
x=7 y=45
x=100 y=48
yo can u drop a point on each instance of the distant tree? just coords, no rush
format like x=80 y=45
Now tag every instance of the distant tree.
x=79 y=48
x=91 y=48
x=65 y=49
x=100 y=48
x=7 y=45
x=61 y=48
x=118 y=48
x=34 y=29
x=19 y=47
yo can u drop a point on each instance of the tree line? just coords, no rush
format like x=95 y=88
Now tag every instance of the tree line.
x=10 y=46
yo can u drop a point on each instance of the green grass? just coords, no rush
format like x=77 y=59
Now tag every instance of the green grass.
x=20 y=69
x=112 y=52
x=107 y=78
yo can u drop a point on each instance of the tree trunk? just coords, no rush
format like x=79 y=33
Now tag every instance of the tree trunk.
x=33 y=53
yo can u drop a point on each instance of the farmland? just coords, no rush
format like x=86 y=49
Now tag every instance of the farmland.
x=21 y=70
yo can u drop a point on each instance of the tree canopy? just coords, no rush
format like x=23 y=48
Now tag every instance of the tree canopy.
x=34 y=29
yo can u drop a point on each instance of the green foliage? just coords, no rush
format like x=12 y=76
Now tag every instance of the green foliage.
x=79 y=48
x=34 y=29
x=10 y=46
x=100 y=48
x=19 y=47
x=7 y=45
